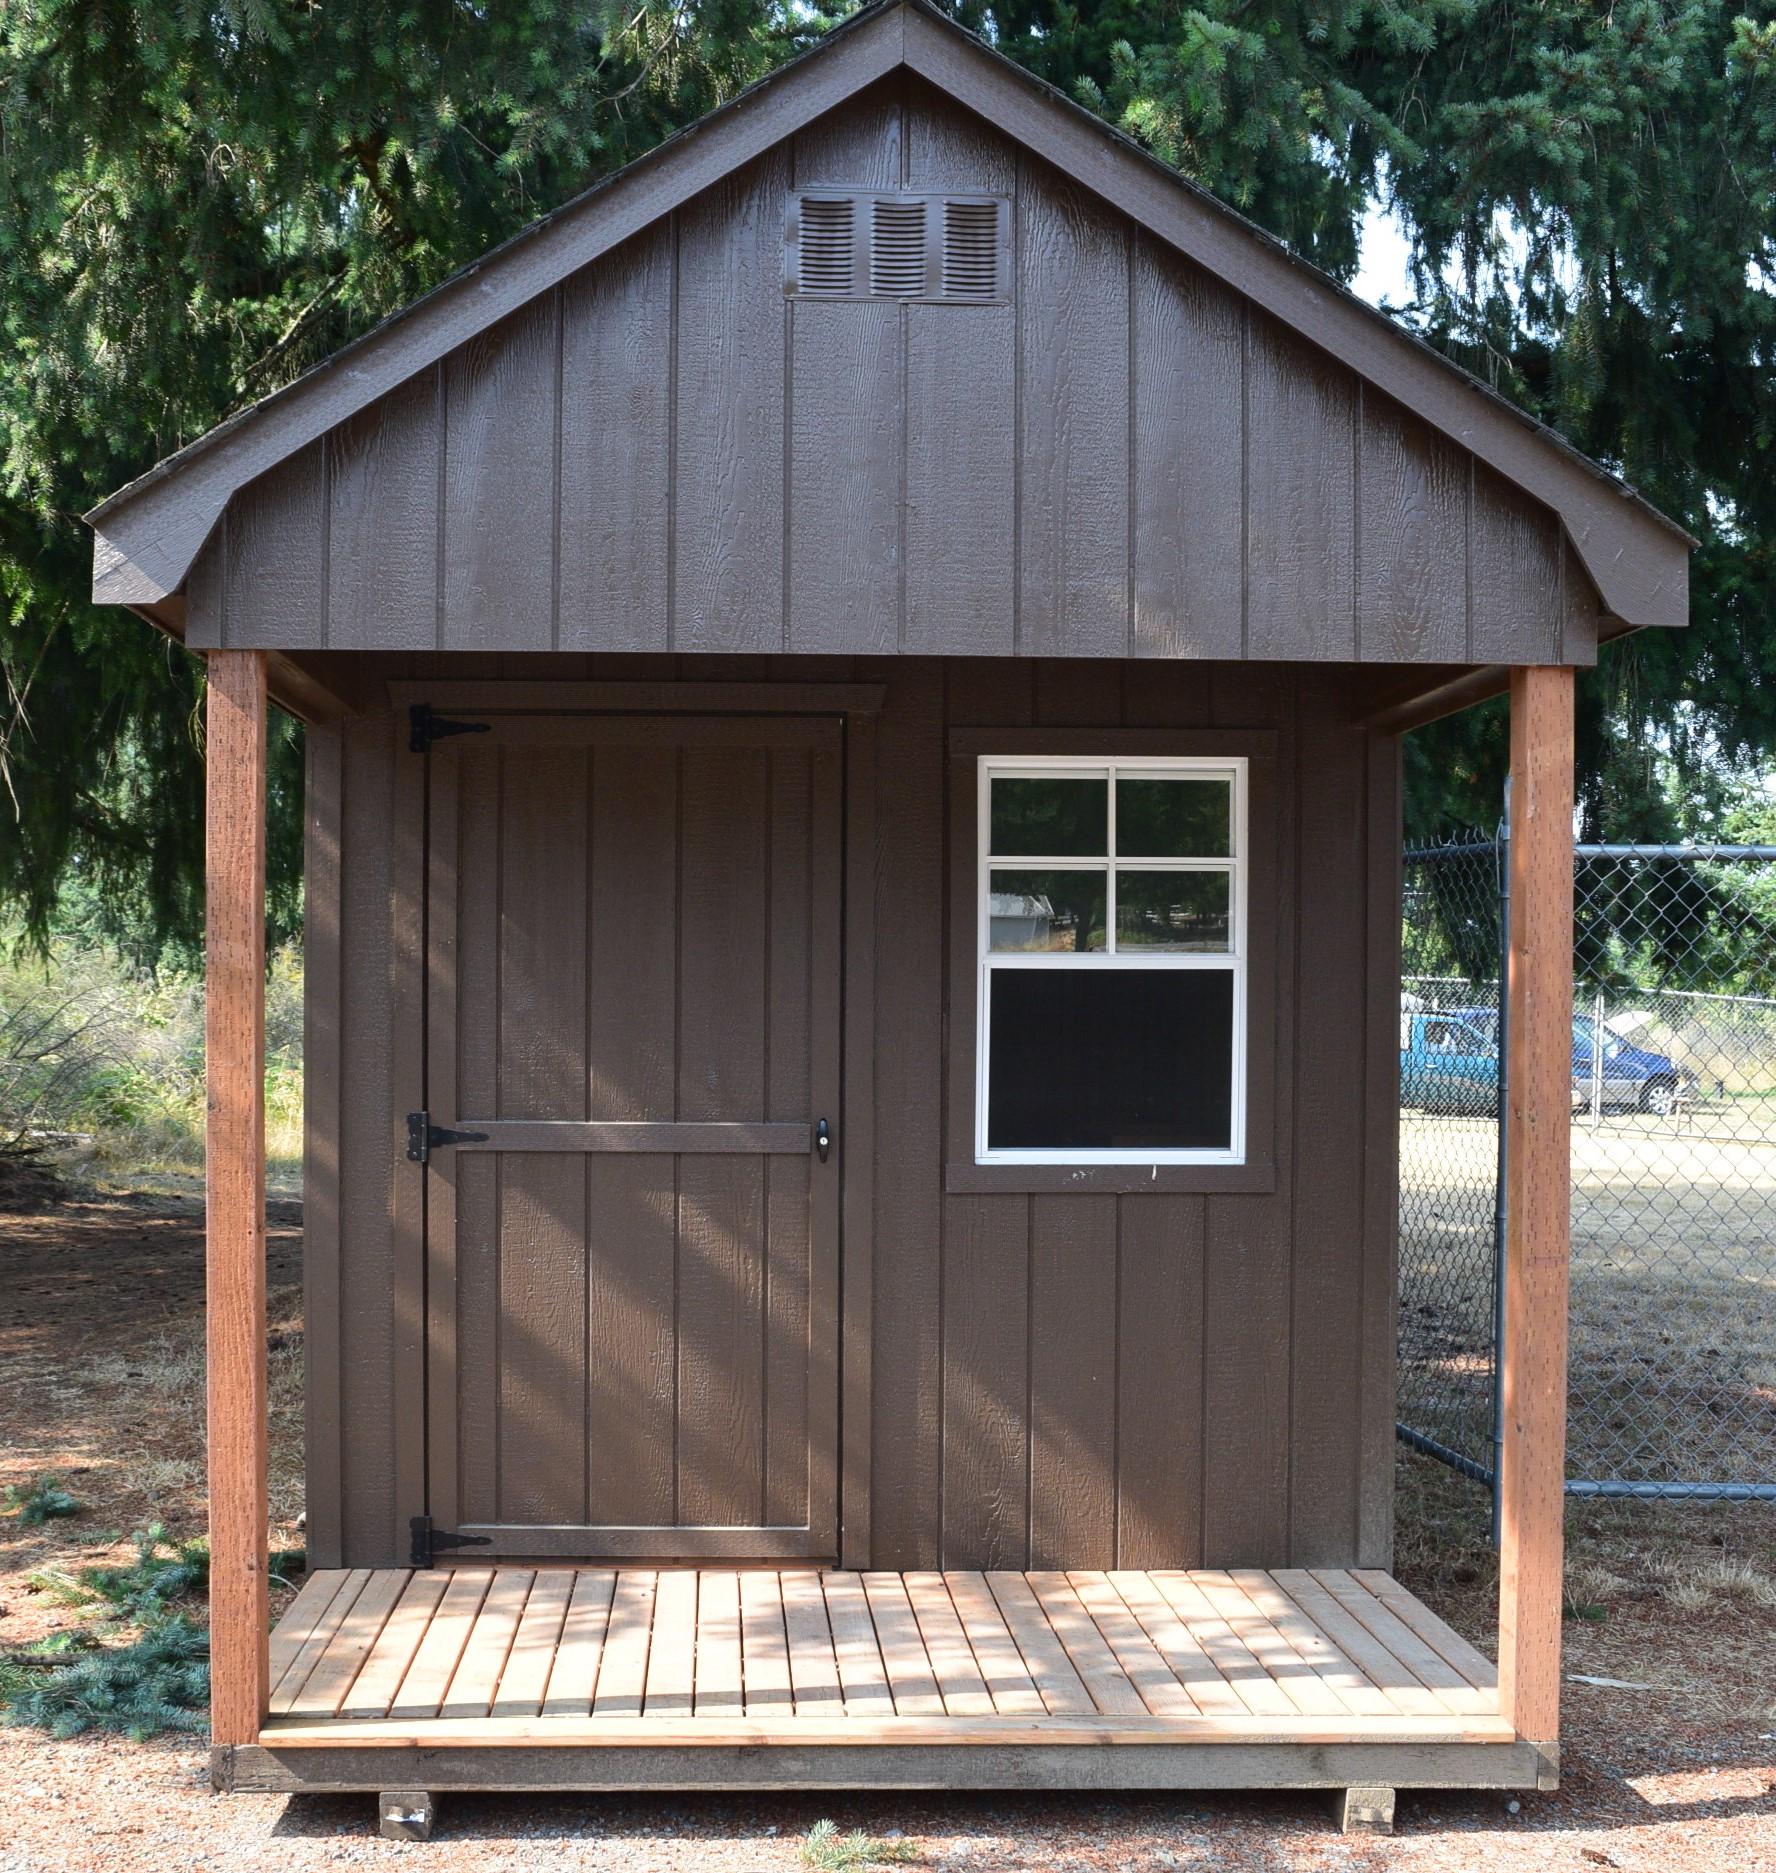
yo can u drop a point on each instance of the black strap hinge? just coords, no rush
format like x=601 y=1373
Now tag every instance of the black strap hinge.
x=423 y=1137
x=426 y=727
x=428 y=1541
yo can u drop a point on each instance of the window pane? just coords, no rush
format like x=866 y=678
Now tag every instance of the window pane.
x=1173 y=818
x=1173 y=910
x=1046 y=910
x=1050 y=818
x=1110 y=1059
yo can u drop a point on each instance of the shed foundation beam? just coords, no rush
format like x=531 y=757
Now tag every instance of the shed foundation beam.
x=234 y=1191
x=1538 y=1119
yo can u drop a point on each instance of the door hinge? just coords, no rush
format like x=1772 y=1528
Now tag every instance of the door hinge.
x=429 y=1542
x=423 y=1137
x=426 y=727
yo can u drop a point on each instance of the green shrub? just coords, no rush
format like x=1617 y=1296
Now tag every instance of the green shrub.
x=41 y=1501
x=162 y=1572
x=160 y=1681
x=826 y=1849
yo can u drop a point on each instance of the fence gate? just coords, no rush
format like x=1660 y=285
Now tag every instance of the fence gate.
x=1672 y=1389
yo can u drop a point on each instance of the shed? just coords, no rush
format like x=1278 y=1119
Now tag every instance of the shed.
x=854 y=679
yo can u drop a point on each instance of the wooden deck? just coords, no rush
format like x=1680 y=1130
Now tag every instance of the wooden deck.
x=509 y=1677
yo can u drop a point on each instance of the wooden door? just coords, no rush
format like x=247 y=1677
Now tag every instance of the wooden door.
x=633 y=933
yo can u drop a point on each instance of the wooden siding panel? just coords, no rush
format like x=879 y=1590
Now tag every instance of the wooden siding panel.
x=501 y=395
x=1247 y=1244
x=1187 y=466
x=844 y=493
x=1514 y=554
x=274 y=565
x=1412 y=600
x=961 y=419
x=383 y=521
x=1073 y=1319
x=856 y=146
x=1300 y=499
x=986 y=1449
x=728 y=545
x=323 y=1012
x=1381 y=1154
x=1326 y=1333
x=1159 y=1405
x=1072 y=456
x=616 y=408
x=368 y=1110
x=906 y=1455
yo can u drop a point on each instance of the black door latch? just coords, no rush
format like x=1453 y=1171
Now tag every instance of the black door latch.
x=423 y=1137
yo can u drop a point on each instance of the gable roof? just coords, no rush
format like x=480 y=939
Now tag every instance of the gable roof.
x=149 y=532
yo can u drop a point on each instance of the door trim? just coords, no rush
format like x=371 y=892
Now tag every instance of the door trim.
x=857 y=705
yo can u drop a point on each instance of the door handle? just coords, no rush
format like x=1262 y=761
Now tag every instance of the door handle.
x=823 y=1139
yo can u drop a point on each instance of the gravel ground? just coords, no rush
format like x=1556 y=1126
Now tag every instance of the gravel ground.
x=99 y=1323
x=1651 y=1804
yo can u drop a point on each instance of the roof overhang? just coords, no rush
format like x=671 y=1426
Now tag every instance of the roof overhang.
x=149 y=533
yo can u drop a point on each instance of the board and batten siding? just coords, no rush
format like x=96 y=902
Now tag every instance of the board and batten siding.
x=667 y=454
x=1057 y=1379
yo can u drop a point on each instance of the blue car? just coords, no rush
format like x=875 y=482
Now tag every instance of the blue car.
x=1449 y=1063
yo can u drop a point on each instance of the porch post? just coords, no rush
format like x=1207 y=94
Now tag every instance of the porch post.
x=1538 y=1120
x=234 y=1190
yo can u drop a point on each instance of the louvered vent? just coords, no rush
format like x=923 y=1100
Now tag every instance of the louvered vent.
x=971 y=250
x=897 y=248
x=828 y=244
x=865 y=244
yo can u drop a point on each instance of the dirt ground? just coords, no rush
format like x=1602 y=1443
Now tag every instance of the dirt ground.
x=100 y=1323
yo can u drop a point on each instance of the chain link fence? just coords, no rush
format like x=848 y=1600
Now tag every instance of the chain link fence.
x=1673 y=1347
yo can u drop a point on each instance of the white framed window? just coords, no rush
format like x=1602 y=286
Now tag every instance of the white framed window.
x=1112 y=949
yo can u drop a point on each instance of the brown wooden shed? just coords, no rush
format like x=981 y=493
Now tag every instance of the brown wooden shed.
x=854 y=677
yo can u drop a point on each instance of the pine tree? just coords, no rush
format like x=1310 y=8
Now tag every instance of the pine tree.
x=198 y=202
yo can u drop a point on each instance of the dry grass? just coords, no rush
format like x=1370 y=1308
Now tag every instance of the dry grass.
x=1673 y=1330
x=101 y=1339
x=1678 y=1596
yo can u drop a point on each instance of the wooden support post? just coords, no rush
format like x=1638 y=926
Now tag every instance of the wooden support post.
x=234 y=1189
x=1538 y=1120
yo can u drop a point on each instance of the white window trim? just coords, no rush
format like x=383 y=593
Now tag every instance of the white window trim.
x=1234 y=960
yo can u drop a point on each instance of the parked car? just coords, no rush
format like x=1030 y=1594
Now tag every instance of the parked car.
x=1449 y=1063
x=1631 y=1076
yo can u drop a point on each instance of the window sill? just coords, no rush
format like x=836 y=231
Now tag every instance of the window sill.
x=1254 y=1178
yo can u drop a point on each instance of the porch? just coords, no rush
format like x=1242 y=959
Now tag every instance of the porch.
x=600 y=1678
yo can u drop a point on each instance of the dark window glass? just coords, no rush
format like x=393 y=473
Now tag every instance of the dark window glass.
x=1172 y=910
x=1050 y=818
x=1173 y=818
x=1046 y=910
x=1110 y=1059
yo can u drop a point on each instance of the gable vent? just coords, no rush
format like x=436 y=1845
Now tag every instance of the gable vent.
x=971 y=250
x=869 y=244
x=828 y=243
x=897 y=248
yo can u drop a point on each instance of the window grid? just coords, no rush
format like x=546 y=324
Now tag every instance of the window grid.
x=1231 y=961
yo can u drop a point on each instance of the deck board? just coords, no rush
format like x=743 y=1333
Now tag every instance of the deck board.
x=573 y=1677
x=757 y=1657
x=374 y=1688
x=764 y=1646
